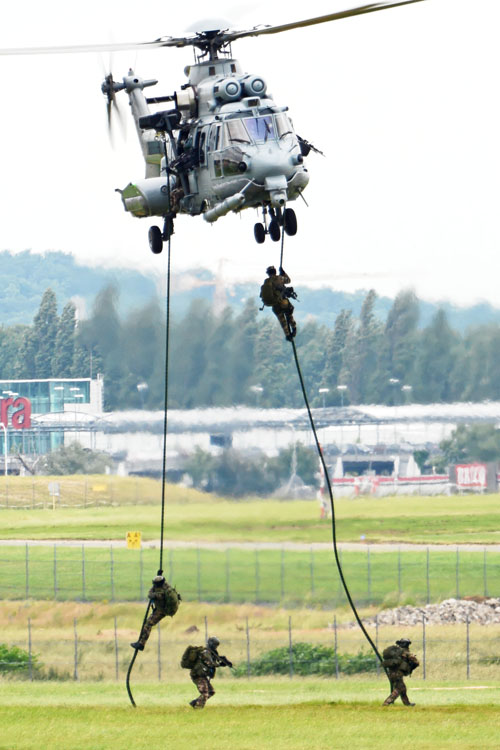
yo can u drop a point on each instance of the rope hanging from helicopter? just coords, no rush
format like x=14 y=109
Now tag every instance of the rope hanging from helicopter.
x=330 y=493
x=165 y=420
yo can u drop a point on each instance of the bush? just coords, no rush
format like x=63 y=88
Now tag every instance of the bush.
x=308 y=659
x=15 y=660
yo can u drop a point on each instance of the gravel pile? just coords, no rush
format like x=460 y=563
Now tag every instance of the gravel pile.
x=449 y=612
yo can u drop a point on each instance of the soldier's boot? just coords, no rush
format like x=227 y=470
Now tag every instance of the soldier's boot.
x=406 y=700
x=138 y=646
x=392 y=697
x=194 y=703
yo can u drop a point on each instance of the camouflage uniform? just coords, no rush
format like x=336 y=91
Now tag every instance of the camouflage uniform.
x=399 y=664
x=203 y=671
x=283 y=308
x=158 y=596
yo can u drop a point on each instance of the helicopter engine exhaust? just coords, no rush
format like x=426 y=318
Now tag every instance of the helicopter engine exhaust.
x=223 y=208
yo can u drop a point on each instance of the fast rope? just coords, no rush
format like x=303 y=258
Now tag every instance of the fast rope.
x=332 y=504
x=165 y=428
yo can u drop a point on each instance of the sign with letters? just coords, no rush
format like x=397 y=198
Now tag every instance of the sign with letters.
x=18 y=410
x=471 y=476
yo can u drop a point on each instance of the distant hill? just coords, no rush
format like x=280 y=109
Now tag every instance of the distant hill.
x=26 y=275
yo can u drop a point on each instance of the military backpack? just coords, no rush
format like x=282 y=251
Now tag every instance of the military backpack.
x=392 y=657
x=190 y=656
x=171 y=601
x=268 y=293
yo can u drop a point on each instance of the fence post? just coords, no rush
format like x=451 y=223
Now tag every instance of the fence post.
x=339 y=593
x=27 y=573
x=248 y=648
x=485 y=573
x=198 y=572
x=170 y=564
x=116 y=652
x=206 y=630
x=30 y=657
x=336 y=647
x=424 y=648
x=83 y=573
x=33 y=493
x=257 y=577
x=467 y=636
x=290 y=651
x=456 y=572
x=428 y=577
x=55 y=571
x=369 y=574
x=75 y=671
x=159 y=652
x=112 y=572
x=399 y=572
x=282 y=573
x=376 y=643
x=228 y=585
x=85 y=493
x=312 y=570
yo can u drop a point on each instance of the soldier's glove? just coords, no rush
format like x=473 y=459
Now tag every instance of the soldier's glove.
x=282 y=273
x=225 y=662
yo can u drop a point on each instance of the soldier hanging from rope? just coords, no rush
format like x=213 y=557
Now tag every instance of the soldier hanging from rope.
x=165 y=602
x=275 y=294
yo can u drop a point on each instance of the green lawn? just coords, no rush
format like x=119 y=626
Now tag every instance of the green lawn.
x=446 y=520
x=275 y=714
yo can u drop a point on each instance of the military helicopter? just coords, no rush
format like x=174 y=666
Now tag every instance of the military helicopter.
x=224 y=145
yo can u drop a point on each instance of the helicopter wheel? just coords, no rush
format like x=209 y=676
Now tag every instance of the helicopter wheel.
x=259 y=233
x=155 y=240
x=290 y=222
x=274 y=231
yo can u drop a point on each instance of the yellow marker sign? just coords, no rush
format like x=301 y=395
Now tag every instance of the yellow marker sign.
x=133 y=540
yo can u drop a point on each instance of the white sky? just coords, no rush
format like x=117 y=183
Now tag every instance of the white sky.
x=404 y=103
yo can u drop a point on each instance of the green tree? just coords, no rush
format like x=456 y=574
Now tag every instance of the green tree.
x=360 y=354
x=476 y=442
x=398 y=348
x=190 y=355
x=73 y=459
x=62 y=360
x=242 y=354
x=11 y=342
x=436 y=361
x=45 y=324
x=334 y=358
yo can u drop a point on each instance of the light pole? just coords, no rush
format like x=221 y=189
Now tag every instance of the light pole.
x=407 y=389
x=258 y=390
x=142 y=388
x=323 y=391
x=5 y=446
x=342 y=388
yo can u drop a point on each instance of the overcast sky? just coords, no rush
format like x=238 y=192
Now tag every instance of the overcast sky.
x=404 y=103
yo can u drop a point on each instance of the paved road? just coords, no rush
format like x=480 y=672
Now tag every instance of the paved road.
x=297 y=546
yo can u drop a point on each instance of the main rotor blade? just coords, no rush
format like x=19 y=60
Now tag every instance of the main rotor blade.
x=114 y=47
x=229 y=36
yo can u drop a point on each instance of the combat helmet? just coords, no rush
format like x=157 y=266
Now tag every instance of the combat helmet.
x=403 y=642
x=158 y=580
x=213 y=642
x=271 y=271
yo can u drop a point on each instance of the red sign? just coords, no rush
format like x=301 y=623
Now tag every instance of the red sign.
x=20 y=417
x=471 y=475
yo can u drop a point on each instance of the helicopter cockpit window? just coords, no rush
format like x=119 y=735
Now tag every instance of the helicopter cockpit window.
x=261 y=128
x=283 y=125
x=236 y=132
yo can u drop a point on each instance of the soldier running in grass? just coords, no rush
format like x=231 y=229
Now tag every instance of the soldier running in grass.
x=202 y=661
x=399 y=663
x=165 y=602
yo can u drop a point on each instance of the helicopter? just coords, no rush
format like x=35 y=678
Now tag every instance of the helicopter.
x=223 y=145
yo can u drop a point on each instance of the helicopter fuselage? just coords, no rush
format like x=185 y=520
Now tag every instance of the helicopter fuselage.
x=231 y=147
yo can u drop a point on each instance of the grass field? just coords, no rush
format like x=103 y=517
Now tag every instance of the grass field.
x=192 y=516
x=277 y=714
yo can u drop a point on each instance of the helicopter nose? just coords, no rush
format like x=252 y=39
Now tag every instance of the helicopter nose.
x=273 y=164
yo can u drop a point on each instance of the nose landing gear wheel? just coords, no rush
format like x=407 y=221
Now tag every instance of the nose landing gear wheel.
x=259 y=233
x=274 y=230
x=290 y=222
x=155 y=240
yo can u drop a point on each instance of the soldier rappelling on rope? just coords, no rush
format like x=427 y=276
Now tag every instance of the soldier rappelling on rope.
x=275 y=294
x=165 y=603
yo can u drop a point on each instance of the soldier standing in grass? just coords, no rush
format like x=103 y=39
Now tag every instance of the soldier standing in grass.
x=202 y=661
x=399 y=663
x=165 y=602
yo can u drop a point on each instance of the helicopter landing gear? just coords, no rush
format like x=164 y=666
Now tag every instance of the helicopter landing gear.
x=155 y=240
x=290 y=222
x=274 y=230
x=259 y=233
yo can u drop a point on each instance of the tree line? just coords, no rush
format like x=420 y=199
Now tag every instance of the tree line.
x=243 y=358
